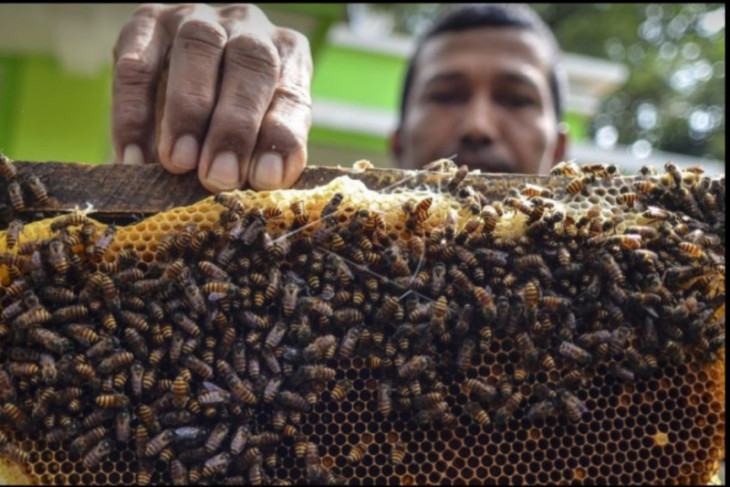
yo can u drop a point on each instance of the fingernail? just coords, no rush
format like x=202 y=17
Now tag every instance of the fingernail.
x=269 y=170
x=224 y=172
x=185 y=153
x=133 y=155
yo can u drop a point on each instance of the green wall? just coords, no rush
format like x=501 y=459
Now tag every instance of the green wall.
x=59 y=116
x=358 y=77
x=10 y=68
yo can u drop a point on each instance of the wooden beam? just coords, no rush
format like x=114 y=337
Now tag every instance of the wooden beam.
x=120 y=189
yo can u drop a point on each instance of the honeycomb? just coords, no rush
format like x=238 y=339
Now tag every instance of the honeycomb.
x=571 y=334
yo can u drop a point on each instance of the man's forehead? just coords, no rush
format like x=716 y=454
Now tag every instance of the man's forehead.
x=509 y=44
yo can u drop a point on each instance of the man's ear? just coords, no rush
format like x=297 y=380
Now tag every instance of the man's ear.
x=561 y=147
x=396 y=146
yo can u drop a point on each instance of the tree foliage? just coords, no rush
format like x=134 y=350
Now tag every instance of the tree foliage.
x=674 y=98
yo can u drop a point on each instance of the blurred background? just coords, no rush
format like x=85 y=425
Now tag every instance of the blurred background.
x=646 y=81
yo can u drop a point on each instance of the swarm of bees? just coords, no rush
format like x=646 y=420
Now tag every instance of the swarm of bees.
x=208 y=360
x=18 y=191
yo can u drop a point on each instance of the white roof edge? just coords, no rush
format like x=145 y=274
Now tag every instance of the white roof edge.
x=347 y=116
x=589 y=67
x=577 y=66
x=341 y=34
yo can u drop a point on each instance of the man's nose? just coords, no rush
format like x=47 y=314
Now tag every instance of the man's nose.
x=479 y=123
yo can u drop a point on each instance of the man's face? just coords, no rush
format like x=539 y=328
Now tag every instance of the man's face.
x=483 y=95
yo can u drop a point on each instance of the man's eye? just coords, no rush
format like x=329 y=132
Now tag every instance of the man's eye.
x=445 y=97
x=517 y=101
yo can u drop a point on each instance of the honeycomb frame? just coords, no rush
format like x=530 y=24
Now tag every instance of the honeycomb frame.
x=345 y=435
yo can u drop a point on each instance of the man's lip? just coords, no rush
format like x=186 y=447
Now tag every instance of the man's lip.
x=481 y=163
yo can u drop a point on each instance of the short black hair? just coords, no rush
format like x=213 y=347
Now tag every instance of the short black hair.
x=469 y=16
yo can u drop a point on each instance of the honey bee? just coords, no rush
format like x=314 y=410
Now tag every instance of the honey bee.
x=289 y=297
x=674 y=352
x=466 y=350
x=645 y=187
x=176 y=418
x=217 y=436
x=97 y=453
x=15 y=194
x=178 y=471
x=457 y=178
x=314 y=372
x=33 y=317
x=356 y=453
x=7 y=169
x=349 y=341
x=293 y=400
x=593 y=339
x=186 y=324
x=275 y=335
x=86 y=372
x=83 y=334
x=180 y=391
x=112 y=401
x=216 y=464
x=507 y=411
x=641 y=365
x=529 y=351
x=439 y=310
x=477 y=413
x=301 y=447
x=23 y=369
x=390 y=309
x=384 y=400
x=481 y=390
x=341 y=389
x=137 y=343
x=198 y=367
x=573 y=407
x=526 y=207
x=15 y=453
x=13 y=233
x=628 y=199
x=691 y=250
x=239 y=439
x=254 y=366
x=541 y=410
x=416 y=365
x=574 y=352
x=122 y=425
x=331 y=207
x=426 y=416
x=241 y=390
x=578 y=183
x=49 y=371
x=322 y=347
x=622 y=373
x=82 y=443
x=264 y=439
x=13 y=310
x=159 y=442
x=438 y=279
x=77 y=218
x=15 y=414
x=272 y=389
x=61 y=433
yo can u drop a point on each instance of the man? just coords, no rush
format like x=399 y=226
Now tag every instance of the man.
x=483 y=87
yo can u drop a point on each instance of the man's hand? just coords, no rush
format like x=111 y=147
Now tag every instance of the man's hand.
x=237 y=104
